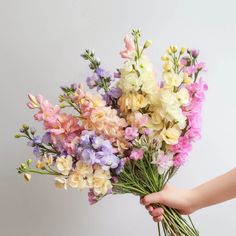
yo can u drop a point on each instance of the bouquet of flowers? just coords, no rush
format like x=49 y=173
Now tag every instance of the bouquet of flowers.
x=131 y=136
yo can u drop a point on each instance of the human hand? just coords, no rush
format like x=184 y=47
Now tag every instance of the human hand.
x=170 y=196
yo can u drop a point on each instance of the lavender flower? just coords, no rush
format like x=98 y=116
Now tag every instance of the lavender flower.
x=92 y=81
x=46 y=139
x=88 y=156
x=114 y=92
x=95 y=149
x=102 y=73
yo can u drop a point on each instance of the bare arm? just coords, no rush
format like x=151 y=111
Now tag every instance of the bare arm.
x=215 y=191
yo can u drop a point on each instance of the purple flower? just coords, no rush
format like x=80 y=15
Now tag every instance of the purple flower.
x=85 y=138
x=46 y=139
x=35 y=141
x=114 y=92
x=92 y=198
x=194 y=53
x=37 y=152
x=97 y=142
x=102 y=73
x=117 y=74
x=108 y=160
x=88 y=156
x=185 y=61
x=106 y=146
x=92 y=81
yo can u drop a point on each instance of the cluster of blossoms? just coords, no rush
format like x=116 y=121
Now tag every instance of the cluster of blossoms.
x=131 y=121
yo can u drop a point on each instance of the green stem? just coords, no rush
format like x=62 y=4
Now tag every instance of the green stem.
x=159 y=230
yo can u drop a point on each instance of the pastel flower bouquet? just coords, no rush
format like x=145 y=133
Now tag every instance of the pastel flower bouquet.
x=131 y=136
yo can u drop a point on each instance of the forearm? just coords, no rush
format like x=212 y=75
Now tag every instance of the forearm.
x=215 y=191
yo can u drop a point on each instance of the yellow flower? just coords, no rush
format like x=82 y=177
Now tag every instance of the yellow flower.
x=64 y=164
x=171 y=135
x=101 y=181
x=132 y=101
x=60 y=182
x=172 y=79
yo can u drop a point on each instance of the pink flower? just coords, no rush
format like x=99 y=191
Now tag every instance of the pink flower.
x=179 y=159
x=131 y=133
x=137 y=154
x=184 y=145
x=129 y=47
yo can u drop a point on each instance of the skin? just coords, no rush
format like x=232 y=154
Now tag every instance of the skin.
x=187 y=201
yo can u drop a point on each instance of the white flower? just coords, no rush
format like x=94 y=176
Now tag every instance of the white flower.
x=64 y=164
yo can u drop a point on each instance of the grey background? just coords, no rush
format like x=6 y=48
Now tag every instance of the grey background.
x=40 y=47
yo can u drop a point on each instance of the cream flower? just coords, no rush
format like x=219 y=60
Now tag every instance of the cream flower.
x=130 y=82
x=64 y=164
x=171 y=79
x=183 y=96
x=76 y=180
x=84 y=169
x=132 y=101
x=101 y=182
x=60 y=182
x=155 y=122
x=168 y=98
x=171 y=135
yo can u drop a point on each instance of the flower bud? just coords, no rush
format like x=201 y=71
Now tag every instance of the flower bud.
x=27 y=177
x=182 y=51
x=147 y=44
x=165 y=58
x=173 y=48
x=166 y=67
x=25 y=127
x=40 y=165
x=62 y=105
x=29 y=161
x=17 y=136
x=23 y=166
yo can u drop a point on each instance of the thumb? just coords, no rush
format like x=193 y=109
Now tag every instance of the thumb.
x=152 y=198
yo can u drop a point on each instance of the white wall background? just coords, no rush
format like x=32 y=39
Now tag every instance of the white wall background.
x=40 y=47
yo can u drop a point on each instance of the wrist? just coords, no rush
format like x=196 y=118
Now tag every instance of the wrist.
x=194 y=200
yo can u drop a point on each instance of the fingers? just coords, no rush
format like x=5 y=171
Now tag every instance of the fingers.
x=151 y=199
x=157 y=212
x=158 y=219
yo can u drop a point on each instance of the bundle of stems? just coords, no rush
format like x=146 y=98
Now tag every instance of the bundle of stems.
x=142 y=178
